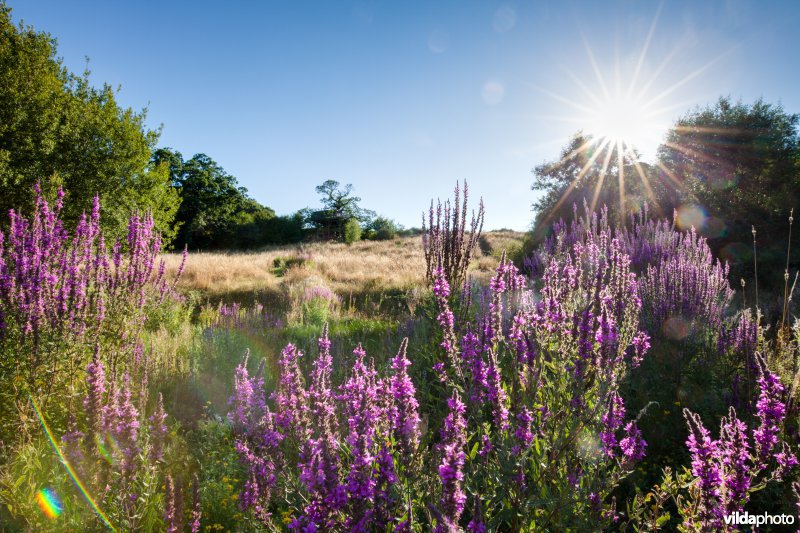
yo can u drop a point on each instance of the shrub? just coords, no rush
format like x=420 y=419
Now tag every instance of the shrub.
x=382 y=229
x=352 y=231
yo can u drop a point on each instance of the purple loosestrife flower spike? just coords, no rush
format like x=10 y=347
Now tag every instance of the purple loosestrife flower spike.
x=170 y=511
x=770 y=411
x=158 y=431
x=291 y=396
x=523 y=432
x=126 y=430
x=95 y=400
x=612 y=420
x=451 y=469
x=735 y=456
x=404 y=415
x=197 y=511
x=705 y=468
x=257 y=440
x=786 y=460
x=363 y=409
x=445 y=318
x=319 y=459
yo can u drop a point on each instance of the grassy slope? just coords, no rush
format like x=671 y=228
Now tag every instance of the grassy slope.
x=363 y=270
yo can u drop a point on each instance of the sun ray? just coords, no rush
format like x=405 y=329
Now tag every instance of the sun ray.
x=580 y=175
x=621 y=173
x=645 y=48
x=582 y=148
x=694 y=153
x=689 y=77
x=678 y=183
x=624 y=109
x=654 y=77
x=599 y=185
x=595 y=67
x=643 y=176
x=578 y=106
x=582 y=86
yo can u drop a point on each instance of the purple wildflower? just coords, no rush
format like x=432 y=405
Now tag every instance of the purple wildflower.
x=735 y=455
x=158 y=431
x=612 y=420
x=404 y=415
x=451 y=473
x=704 y=466
x=770 y=411
x=632 y=444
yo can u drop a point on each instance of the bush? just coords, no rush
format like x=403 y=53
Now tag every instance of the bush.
x=352 y=231
x=382 y=229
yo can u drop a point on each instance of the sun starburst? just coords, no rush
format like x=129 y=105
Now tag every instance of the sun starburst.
x=622 y=116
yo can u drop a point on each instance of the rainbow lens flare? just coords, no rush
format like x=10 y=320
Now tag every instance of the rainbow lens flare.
x=49 y=503
x=86 y=494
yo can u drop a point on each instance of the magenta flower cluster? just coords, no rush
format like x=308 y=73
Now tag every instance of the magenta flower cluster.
x=60 y=291
x=352 y=443
x=114 y=447
x=529 y=359
x=726 y=469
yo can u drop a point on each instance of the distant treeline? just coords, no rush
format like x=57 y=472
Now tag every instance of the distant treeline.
x=58 y=130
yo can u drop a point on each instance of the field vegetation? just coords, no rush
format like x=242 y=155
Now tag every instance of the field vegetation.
x=191 y=361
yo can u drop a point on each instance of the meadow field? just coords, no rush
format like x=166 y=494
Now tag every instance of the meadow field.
x=610 y=379
x=272 y=339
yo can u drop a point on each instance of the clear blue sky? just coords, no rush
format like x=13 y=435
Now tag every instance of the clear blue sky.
x=402 y=99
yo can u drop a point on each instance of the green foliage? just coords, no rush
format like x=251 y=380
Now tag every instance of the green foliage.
x=58 y=129
x=587 y=170
x=281 y=264
x=316 y=312
x=221 y=475
x=740 y=164
x=215 y=212
x=352 y=231
x=286 y=229
x=382 y=229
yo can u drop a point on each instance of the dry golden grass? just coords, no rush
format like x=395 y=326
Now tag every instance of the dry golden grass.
x=495 y=242
x=363 y=267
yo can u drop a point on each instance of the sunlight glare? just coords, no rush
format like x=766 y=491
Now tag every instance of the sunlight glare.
x=620 y=121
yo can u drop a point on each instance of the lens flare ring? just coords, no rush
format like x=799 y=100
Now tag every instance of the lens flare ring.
x=71 y=471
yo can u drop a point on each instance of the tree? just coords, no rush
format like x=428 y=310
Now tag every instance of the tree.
x=339 y=207
x=589 y=171
x=55 y=128
x=286 y=229
x=215 y=212
x=382 y=229
x=738 y=167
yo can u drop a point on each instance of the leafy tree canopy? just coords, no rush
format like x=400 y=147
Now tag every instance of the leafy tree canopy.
x=382 y=228
x=339 y=207
x=215 y=212
x=592 y=172
x=738 y=167
x=55 y=128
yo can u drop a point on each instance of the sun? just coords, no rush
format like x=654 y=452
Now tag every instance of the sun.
x=621 y=122
x=622 y=113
